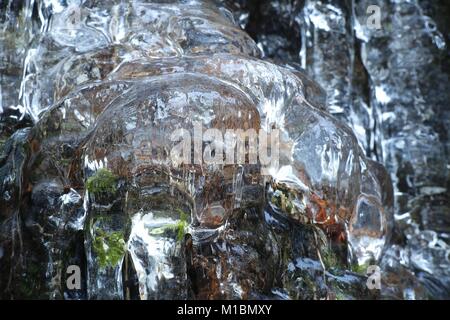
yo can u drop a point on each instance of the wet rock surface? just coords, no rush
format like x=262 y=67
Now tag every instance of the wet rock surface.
x=89 y=177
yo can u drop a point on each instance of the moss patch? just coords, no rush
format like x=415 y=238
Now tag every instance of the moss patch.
x=330 y=260
x=27 y=286
x=360 y=269
x=178 y=229
x=109 y=247
x=339 y=295
x=181 y=226
x=282 y=201
x=102 y=182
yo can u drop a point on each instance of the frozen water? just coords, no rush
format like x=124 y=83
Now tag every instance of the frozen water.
x=106 y=83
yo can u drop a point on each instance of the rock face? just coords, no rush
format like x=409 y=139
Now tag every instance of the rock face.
x=114 y=88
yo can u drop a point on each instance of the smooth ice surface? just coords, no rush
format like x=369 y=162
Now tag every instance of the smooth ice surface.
x=99 y=87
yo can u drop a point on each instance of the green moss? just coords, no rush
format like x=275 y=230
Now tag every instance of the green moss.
x=360 y=269
x=329 y=259
x=340 y=295
x=310 y=284
x=178 y=228
x=65 y=162
x=103 y=181
x=181 y=230
x=283 y=201
x=109 y=247
x=28 y=287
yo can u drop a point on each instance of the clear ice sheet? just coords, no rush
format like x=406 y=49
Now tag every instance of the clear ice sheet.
x=91 y=82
